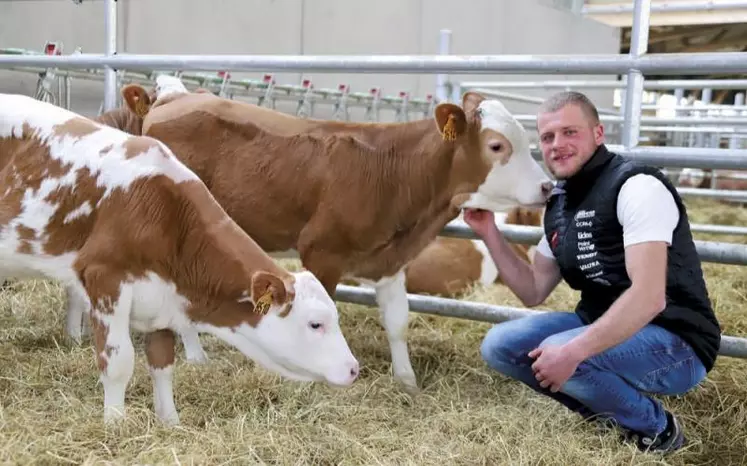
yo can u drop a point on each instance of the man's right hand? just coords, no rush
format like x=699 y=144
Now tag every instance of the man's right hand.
x=481 y=221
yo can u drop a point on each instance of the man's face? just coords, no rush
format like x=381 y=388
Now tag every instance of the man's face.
x=568 y=139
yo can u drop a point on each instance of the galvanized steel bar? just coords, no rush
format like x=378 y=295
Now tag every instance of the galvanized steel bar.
x=658 y=85
x=709 y=251
x=714 y=193
x=731 y=346
x=663 y=63
x=530 y=99
x=714 y=121
x=631 y=129
x=692 y=157
x=668 y=7
x=110 y=75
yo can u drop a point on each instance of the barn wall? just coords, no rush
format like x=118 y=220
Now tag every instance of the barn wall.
x=307 y=27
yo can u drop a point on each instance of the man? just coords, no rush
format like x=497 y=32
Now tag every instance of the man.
x=618 y=232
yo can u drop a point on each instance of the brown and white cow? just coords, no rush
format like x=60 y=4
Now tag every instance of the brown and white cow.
x=355 y=200
x=733 y=180
x=142 y=241
x=451 y=266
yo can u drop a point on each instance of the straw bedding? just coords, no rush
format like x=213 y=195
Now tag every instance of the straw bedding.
x=234 y=413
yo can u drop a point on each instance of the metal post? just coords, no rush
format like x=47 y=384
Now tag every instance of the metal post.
x=734 y=143
x=634 y=91
x=705 y=99
x=110 y=75
x=444 y=48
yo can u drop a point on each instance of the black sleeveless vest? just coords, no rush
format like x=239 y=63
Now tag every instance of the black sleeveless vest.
x=587 y=240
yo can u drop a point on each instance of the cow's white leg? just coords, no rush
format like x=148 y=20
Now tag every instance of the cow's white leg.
x=391 y=296
x=77 y=307
x=193 y=350
x=159 y=349
x=110 y=322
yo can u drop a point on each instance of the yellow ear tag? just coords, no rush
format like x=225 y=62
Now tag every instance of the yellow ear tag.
x=263 y=303
x=141 y=108
x=449 y=133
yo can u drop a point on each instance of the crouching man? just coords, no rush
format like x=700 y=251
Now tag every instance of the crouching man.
x=618 y=232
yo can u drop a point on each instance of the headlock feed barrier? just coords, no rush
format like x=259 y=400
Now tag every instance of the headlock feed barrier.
x=633 y=65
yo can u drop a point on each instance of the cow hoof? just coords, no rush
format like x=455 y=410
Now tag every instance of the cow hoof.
x=409 y=384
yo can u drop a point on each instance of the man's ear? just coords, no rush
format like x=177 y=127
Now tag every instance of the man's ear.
x=267 y=289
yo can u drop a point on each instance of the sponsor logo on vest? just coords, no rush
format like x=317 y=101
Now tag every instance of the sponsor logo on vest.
x=584 y=235
x=586 y=256
x=582 y=214
x=590 y=265
x=586 y=246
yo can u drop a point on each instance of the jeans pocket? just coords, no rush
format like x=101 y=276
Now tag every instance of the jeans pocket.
x=673 y=379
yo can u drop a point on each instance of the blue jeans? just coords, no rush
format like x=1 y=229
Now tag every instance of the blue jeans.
x=611 y=384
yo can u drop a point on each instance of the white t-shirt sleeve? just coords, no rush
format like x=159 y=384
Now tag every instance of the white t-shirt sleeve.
x=543 y=247
x=646 y=210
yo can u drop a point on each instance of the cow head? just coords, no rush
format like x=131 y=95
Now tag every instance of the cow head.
x=496 y=147
x=298 y=335
x=692 y=178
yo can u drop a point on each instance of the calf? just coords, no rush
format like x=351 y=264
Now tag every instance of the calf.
x=141 y=240
x=450 y=266
x=356 y=200
x=701 y=178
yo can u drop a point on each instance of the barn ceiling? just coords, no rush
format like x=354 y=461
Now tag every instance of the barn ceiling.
x=731 y=37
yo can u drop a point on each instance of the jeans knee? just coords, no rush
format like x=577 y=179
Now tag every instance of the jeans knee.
x=495 y=348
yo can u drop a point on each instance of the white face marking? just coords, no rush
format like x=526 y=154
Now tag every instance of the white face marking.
x=306 y=345
x=167 y=85
x=519 y=181
x=692 y=177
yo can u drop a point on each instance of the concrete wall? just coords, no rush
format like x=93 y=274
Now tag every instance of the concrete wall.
x=307 y=27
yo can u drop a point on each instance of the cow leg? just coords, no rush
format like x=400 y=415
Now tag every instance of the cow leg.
x=110 y=323
x=193 y=350
x=159 y=350
x=391 y=296
x=77 y=306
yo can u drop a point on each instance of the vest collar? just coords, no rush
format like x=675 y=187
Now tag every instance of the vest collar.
x=584 y=179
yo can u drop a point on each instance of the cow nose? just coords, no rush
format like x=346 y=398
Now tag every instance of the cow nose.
x=547 y=189
x=354 y=370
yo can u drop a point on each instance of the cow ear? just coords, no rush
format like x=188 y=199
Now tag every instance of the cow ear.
x=471 y=101
x=450 y=120
x=267 y=289
x=136 y=99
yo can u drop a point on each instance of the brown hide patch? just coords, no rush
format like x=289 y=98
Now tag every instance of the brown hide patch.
x=137 y=146
x=446 y=267
x=159 y=348
x=67 y=232
x=25 y=236
x=75 y=127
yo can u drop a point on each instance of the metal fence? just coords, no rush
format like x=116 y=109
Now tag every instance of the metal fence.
x=633 y=65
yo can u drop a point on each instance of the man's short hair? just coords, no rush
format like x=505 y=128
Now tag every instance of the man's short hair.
x=559 y=100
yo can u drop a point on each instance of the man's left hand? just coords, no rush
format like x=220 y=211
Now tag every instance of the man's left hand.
x=553 y=366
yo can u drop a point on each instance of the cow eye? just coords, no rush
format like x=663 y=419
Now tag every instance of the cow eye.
x=315 y=325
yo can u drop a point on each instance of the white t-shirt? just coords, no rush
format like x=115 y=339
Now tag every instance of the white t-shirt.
x=645 y=209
